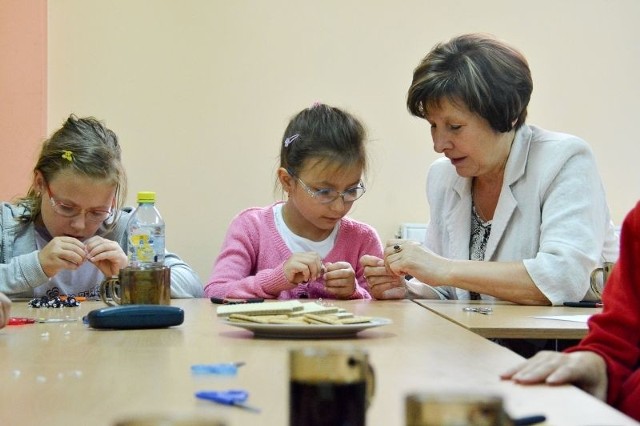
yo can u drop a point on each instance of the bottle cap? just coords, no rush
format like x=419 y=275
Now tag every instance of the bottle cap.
x=146 y=197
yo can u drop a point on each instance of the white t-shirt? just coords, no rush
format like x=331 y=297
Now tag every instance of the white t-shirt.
x=298 y=244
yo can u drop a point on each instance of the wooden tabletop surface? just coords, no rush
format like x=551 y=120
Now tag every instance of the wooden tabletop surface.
x=509 y=320
x=69 y=374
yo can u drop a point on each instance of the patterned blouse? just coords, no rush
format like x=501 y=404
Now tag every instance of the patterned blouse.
x=480 y=232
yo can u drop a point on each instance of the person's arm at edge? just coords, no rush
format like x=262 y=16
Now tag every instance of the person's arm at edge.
x=5 y=310
x=22 y=272
x=614 y=334
x=607 y=357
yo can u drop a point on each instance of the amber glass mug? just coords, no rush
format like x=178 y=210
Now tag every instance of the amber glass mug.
x=138 y=286
x=329 y=386
x=454 y=409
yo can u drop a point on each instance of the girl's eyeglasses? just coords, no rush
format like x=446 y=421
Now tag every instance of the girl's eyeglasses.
x=65 y=210
x=327 y=196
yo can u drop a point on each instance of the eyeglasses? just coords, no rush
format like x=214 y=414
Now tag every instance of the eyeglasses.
x=327 y=196
x=65 y=210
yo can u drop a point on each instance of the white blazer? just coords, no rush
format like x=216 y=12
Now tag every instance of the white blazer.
x=552 y=214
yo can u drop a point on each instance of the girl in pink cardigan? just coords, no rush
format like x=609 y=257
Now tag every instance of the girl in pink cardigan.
x=304 y=247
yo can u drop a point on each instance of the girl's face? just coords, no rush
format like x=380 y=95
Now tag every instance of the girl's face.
x=467 y=140
x=304 y=214
x=82 y=200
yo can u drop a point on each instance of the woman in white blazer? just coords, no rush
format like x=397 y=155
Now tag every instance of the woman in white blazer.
x=518 y=213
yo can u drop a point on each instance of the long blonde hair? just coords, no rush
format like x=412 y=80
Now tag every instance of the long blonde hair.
x=86 y=147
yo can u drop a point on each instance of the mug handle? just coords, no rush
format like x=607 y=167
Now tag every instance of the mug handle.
x=370 y=377
x=108 y=286
x=605 y=271
x=594 y=282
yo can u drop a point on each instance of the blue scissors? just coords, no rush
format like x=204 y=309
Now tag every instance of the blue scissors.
x=235 y=397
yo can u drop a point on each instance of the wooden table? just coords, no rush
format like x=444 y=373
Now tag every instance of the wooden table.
x=68 y=374
x=509 y=320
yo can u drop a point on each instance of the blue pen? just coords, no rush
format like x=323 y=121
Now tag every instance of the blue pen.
x=234 y=397
x=221 y=369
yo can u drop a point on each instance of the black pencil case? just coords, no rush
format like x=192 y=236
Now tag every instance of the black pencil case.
x=135 y=316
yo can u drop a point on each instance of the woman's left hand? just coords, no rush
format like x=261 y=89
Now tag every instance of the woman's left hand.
x=107 y=255
x=340 y=279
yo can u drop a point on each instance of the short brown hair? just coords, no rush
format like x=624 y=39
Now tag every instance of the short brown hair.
x=491 y=78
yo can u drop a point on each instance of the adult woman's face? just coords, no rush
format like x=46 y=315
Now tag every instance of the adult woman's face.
x=467 y=140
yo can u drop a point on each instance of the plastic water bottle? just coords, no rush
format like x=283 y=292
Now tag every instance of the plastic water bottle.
x=145 y=233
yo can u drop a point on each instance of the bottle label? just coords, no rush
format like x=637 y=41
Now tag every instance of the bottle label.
x=142 y=248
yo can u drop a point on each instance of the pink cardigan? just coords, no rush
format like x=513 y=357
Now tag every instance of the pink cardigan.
x=251 y=261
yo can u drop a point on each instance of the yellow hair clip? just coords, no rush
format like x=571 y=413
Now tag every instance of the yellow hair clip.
x=67 y=155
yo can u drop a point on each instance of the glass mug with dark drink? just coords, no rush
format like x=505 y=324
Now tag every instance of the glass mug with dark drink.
x=138 y=286
x=329 y=386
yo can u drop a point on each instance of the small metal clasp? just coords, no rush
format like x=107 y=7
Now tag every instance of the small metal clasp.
x=480 y=309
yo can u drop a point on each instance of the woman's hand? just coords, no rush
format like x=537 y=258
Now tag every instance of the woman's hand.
x=5 y=309
x=340 y=279
x=61 y=253
x=402 y=257
x=107 y=255
x=383 y=284
x=303 y=267
x=585 y=369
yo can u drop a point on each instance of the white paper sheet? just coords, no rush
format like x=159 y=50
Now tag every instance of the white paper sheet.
x=574 y=318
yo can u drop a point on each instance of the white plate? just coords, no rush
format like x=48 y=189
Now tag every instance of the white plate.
x=308 y=331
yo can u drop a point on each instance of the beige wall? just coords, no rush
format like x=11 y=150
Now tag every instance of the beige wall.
x=200 y=91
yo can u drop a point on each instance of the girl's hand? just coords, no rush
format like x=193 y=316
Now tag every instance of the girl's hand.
x=61 y=253
x=340 y=279
x=303 y=267
x=383 y=284
x=107 y=255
